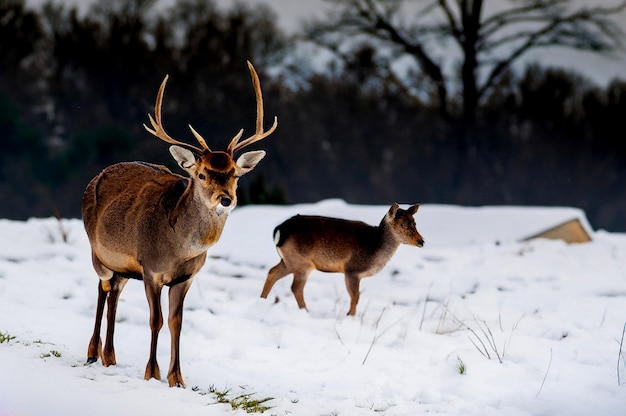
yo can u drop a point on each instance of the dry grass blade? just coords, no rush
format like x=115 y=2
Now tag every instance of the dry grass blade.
x=483 y=339
x=483 y=348
x=620 y=357
x=545 y=376
x=376 y=335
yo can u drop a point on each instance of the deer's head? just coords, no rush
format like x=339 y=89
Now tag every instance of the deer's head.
x=403 y=224
x=214 y=174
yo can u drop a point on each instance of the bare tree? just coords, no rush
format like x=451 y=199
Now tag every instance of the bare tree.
x=481 y=39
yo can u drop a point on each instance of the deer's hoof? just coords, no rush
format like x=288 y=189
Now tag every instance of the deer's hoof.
x=173 y=382
x=91 y=360
x=152 y=371
x=175 y=379
x=178 y=384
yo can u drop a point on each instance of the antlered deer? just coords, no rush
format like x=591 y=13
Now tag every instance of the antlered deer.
x=145 y=222
x=354 y=248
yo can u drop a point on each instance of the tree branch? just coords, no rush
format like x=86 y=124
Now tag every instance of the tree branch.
x=455 y=27
x=574 y=31
x=364 y=17
x=493 y=43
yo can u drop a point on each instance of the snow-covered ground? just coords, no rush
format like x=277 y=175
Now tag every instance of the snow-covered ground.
x=552 y=313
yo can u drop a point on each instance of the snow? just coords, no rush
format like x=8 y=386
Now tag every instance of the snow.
x=555 y=313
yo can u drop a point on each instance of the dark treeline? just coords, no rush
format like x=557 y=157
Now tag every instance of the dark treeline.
x=75 y=90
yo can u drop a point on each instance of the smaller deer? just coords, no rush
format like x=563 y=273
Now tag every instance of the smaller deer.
x=354 y=248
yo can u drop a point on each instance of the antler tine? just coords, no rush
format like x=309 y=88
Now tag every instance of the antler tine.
x=157 y=124
x=234 y=146
x=199 y=138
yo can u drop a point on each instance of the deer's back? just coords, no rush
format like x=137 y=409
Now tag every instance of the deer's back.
x=329 y=244
x=126 y=192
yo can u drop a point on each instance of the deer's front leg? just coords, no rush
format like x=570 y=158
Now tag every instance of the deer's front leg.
x=175 y=321
x=153 y=293
x=352 y=284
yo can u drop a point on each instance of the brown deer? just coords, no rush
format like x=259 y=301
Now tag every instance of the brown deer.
x=145 y=222
x=354 y=248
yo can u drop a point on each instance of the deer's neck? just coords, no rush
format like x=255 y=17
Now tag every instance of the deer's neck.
x=199 y=222
x=388 y=241
x=383 y=246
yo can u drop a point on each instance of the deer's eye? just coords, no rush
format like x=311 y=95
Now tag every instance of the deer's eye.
x=202 y=176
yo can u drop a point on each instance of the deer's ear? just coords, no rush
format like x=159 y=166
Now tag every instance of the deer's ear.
x=413 y=209
x=184 y=157
x=393 y=210
x=249 y=160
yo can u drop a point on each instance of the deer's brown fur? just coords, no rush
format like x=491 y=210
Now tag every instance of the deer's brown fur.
x=145 y=222
x=354 y=248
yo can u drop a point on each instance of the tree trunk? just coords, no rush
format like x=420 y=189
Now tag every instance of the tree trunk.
x=470 y=19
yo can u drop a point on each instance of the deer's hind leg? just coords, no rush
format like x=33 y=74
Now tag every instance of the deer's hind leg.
x=94 y=350
x=297 y=287
x=117 y=285
x=111 y=296
x=275 y=274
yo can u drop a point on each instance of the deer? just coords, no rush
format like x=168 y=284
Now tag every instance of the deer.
x=332 y=245
x=145 y=222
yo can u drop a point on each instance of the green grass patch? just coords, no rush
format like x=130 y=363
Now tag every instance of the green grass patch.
x=52 y=353
x=460 y=366
x=5 y=337
x=244 y=401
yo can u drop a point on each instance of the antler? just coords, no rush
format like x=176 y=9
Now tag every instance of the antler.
x=234 y=145
x=159 y=131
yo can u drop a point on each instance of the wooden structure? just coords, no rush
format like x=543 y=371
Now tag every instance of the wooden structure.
x=571 y=231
